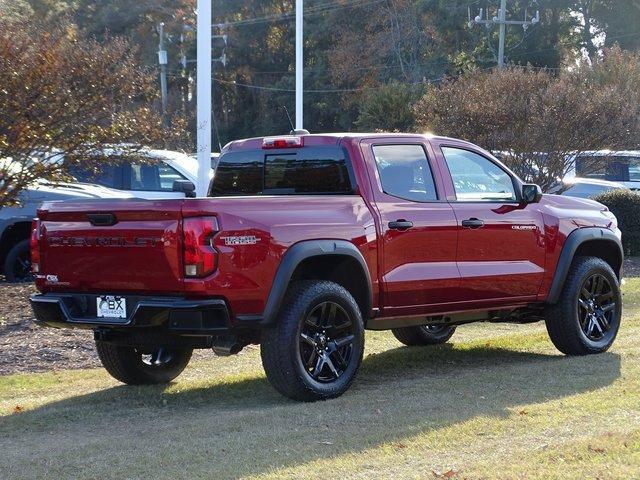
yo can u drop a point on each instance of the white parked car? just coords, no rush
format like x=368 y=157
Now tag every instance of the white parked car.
x=622 y=167
x=145 y=180
x=126 y=179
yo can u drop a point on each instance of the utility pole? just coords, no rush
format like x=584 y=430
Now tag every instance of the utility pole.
x=163 y=60
x=501 y=20
x=503 y=32
x=299 y=64
x=204 y=85
x=222 y=59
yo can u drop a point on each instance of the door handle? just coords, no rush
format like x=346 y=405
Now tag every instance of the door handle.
x=400 y=225
x=472 y=223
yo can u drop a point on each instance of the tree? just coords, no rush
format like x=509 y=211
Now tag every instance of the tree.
x=538 y=120
x=351 y=48
x=389 y=108
x=64 y=96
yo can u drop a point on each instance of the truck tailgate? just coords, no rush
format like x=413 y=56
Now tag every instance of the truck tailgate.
x=114 y=246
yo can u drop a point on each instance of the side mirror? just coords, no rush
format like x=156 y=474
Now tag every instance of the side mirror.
x=186 y=187
x=531 y=193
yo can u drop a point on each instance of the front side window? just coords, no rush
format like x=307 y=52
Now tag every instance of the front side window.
x=154 y=177
x=405 y=173
x=167 y=176
x=476 y=178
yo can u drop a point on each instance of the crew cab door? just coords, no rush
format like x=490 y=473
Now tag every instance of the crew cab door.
x=418 y=228
x=501 y=245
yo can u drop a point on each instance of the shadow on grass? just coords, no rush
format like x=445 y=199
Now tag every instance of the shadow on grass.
x=399 y=393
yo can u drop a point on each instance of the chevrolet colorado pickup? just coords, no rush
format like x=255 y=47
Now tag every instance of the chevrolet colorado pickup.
x=305 y=241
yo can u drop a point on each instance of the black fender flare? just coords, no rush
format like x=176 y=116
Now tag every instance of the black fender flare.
x=301 y=251
x=571 y=244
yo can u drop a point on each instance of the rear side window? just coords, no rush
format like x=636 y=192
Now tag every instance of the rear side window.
x=109 y=175
x=405 y=172
x=311 y=170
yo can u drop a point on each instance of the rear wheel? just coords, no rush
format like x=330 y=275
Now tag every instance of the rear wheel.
x=142 y=366
x=315 y=349
x=17 y=265
x=424 y=335
x=587 y=316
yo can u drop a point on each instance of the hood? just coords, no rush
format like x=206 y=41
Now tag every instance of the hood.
x=566 y=202
x=49 y=192
x=32 y=197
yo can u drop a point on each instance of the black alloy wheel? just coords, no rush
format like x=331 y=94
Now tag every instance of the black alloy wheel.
x=143 y=365
x=435 y=329
x=158 y=358
x=326 y=342
x=315 y=348
x=17 y=265
x=586 y=318
x=596 y=307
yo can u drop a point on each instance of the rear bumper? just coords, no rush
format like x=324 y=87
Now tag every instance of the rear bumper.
x=170 y=314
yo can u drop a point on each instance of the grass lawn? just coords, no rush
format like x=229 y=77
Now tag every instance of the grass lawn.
x=499 y=402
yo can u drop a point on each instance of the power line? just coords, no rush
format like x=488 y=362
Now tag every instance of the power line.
x=335 y=90
x=612 y=37
x=288 y=90
x=440 y=62
x=287 y=16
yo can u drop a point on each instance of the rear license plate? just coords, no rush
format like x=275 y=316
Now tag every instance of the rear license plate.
x=110 y=306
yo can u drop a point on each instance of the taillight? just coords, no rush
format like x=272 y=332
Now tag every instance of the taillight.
x=34 y=244
x=200 y=257
x=282 y=142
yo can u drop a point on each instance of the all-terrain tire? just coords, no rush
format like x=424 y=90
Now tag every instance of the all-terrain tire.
x=563 y=318
x=424 y=335
x=280 y=347
x=17 y=264
x=126 y=364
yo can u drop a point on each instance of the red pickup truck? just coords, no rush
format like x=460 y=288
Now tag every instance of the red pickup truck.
x=305 y=241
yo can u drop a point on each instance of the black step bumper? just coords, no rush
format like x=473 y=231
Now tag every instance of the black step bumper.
x=172 y=314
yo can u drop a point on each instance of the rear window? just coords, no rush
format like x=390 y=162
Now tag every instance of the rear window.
x=307 y=171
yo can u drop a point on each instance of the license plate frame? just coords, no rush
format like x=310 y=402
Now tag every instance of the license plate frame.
x=111 y=307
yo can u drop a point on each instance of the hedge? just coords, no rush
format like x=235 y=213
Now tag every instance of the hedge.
x=625 y=205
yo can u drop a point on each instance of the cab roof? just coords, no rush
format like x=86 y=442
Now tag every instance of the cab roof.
x=321 y=139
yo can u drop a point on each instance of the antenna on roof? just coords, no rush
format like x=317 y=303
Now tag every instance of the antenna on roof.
x=286 y=110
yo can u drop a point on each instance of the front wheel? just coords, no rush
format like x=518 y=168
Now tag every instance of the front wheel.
x=316 y=347
x=142 y=366
x=17 y=265
x=587 y=316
